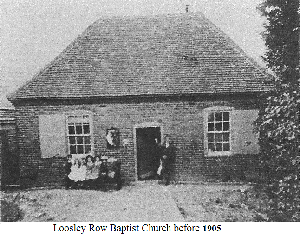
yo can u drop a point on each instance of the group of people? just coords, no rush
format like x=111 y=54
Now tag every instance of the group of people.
x=89 y=172
x=94 y=172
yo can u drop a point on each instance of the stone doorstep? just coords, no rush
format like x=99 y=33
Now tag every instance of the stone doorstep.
x=11 y=187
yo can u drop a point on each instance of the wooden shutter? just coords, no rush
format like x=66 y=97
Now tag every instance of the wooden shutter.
x=52 y=131
x=243 y=139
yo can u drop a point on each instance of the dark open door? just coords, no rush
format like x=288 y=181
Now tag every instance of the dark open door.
x=147 y=152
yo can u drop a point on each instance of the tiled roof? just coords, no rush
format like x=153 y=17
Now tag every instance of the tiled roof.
x=171 y=54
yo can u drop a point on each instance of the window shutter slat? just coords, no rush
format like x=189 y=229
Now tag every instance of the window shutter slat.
x=244 y=140
x=52 y=135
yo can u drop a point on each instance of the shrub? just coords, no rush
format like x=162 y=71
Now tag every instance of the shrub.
x=10 y=210
x=278 y=122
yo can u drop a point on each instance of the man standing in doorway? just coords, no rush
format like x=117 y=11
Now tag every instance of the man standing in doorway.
x=168 y=158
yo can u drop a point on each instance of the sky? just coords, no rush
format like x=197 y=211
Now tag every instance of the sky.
x=34 y=32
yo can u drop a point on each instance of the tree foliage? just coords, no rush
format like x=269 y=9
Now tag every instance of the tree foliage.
x=278 y=121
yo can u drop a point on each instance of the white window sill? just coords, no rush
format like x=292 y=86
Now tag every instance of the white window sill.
x=217 y=154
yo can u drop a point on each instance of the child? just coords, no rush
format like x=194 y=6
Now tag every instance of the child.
x=104 y=167
x=89 y=168
x=103 y=173
x=113 y=174
x=96 y=172
x=96 y=169
x=68 y=165
x=73 y=176
x=82 y=172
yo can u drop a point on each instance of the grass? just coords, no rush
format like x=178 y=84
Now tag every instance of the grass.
x=220 y=202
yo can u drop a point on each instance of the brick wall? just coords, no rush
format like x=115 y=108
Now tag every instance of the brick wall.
x=1 y=156
x=182 y=121
x=9 y=168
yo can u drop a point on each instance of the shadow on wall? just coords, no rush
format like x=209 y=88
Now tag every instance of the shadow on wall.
x=10 y=170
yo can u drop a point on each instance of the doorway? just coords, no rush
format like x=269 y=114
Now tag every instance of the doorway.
x=147 y=140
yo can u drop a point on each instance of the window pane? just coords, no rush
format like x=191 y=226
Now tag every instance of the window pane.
x=71 y=129
x=226 y=147
x=78 y=128
x=225 y=137
x=72 y=140
x=226 y=116
x=218 y=137
x=87 y=140
x=86 y=128
x=211 y=127
x=211 y=117
x=211 y=147
x=80 y=149
x=72 y=149
x=210 y=137
x=218 y=147
x=225 y=126
x=218 y=116
x=79 y=140
x=218 y=126
x=87 y=148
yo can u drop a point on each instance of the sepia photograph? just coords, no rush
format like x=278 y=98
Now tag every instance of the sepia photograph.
x=149 y=111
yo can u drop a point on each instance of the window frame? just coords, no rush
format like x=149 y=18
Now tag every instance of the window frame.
x=206 y=113
x=90 y=121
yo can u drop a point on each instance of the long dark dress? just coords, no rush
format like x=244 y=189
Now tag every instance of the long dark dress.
x=168 y=163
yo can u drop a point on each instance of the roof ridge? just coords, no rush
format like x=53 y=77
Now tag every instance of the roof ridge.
x=163 y=15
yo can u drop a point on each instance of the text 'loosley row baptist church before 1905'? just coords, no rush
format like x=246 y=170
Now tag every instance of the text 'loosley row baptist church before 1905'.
x=141 y=79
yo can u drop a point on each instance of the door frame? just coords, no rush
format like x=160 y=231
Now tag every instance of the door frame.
x=140 y=126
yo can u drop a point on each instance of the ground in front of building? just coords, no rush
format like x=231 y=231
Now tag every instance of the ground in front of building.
x=143 y=201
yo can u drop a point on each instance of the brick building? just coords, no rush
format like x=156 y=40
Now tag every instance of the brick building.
x=125 y=82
